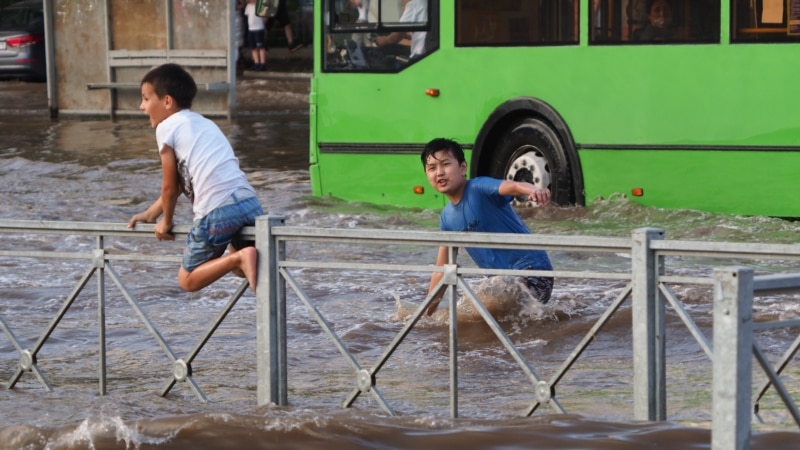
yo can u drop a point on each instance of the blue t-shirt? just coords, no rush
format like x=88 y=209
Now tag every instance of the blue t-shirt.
x=483 y=209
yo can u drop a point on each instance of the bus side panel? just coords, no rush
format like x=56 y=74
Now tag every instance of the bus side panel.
x=724 y=181
x=380 y=179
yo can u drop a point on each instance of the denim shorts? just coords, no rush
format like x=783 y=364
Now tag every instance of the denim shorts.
x=212 y=234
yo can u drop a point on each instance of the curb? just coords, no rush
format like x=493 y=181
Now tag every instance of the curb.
x=303 y=77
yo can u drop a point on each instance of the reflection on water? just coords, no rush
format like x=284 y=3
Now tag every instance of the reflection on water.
x=98 y=170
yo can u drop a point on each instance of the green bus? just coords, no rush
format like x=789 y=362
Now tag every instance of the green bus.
x=687 y=104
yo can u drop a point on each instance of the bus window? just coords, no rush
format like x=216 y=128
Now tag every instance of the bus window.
x=765 y=21
x=654 y=21
x=516 y=22
x=378 y=35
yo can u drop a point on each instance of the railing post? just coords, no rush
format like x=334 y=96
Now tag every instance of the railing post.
x=100 y=264
x=649 y=384
x=451 y=278
x=270 y=340
x=733 y=358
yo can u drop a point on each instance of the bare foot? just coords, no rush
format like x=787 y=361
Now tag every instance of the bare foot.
x=248 y=265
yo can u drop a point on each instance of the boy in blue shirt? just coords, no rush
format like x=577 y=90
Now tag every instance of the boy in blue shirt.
x=483 y=204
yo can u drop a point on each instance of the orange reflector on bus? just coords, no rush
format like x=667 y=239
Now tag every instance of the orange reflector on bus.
x=432 y=92
x=637 y=192
x=419 y=190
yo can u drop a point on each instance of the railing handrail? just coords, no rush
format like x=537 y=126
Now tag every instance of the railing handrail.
x=116 y=229
x=450 y=238
x=498 y=240
x=726 y=249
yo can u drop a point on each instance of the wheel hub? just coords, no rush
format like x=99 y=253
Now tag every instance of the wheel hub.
x=531 y=167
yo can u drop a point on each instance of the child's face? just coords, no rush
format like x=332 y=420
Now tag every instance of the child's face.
x=444 y=172
x=157 y=108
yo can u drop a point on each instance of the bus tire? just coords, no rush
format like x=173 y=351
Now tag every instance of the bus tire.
x=531 y=151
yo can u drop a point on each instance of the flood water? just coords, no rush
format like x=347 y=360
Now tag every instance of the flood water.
x=95 y=170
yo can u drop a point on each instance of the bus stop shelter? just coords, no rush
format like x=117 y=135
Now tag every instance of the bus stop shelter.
x=98 y=51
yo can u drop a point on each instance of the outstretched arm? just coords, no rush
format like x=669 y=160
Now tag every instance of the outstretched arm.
x=441 y=259
x=520 y=188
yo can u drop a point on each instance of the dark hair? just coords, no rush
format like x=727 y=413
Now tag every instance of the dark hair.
x=171 y=79
x=651 y=3
x=440 y=144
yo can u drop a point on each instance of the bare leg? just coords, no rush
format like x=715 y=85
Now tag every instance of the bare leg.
x=289 y=35
x=245 y=261
x=248 y=265
x=262 y=55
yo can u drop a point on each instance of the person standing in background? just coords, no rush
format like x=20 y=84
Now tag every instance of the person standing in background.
x=256 y=36
x=305 y=32
x=282 y=17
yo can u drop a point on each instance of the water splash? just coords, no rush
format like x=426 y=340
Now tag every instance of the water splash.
x=506 y=298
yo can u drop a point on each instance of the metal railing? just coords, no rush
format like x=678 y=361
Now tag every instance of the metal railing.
x=100 y=264
x=648 y=289
x=647 y=286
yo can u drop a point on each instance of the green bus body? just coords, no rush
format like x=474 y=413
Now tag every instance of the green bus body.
x=707 y=126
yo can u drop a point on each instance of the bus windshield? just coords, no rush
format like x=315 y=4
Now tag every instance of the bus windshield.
x=377 y=35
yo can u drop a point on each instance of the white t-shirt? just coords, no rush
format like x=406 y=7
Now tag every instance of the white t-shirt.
x=208 y=171
x=368 y=11
x=416 y=11
x=254 y=22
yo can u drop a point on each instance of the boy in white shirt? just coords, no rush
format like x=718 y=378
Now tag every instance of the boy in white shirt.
x=197 y=159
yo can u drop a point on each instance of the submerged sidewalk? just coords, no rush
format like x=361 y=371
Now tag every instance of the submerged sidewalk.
x=285 y=84
x=281 y=65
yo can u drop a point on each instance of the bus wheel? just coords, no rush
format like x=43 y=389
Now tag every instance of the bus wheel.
x=531 y=151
